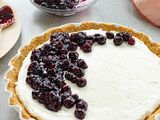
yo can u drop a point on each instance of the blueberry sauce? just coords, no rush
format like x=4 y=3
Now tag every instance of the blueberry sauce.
x=58 y=61
x=6 y=15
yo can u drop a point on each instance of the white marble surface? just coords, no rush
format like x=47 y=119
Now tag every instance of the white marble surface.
x=35 y=22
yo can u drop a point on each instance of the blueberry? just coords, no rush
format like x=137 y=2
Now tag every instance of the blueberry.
x=100 y=39
x=69 y=76
x=65 y=64
x=80 y=113
x=82 y=64
x=40 y=98
x=36 y=55
x=59 y=45
x=91 y=37
x=119 y=34
x=118 y=40
x=63 y=51
x=126 y=36
x=75 y=96
x=73 y=55
x=65 y=92
x=54 y=106
x=33 y=66
x=66 y=88
x=72 y=46
x=69 y=102
x=78 y=72
x=63 y=56
x=28 y=81
x=109 y=35
x=35 y=95
x=131 y=41
x=47 y=47
x=81 y=82
x=59 y=37
x=74 y=79
x=81 y=104
x=79 y=38
x=90 y=42
x=87 y=48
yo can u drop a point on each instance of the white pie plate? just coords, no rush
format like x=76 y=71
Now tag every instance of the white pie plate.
x=10 y=35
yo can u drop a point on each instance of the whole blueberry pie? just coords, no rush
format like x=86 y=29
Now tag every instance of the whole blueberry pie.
x=91 y=71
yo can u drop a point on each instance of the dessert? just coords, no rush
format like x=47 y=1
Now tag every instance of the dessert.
x=87 y=72
x=6 y=17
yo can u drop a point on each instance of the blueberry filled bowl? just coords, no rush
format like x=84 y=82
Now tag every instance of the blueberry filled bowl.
x=62 y=7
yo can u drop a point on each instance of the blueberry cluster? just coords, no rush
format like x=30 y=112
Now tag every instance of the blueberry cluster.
x=123 y=37
x=58 y=61
x=57 y=4
x=85 y=42
x=49 y=65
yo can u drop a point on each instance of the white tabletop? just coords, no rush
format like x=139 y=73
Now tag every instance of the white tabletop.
x=35 y=22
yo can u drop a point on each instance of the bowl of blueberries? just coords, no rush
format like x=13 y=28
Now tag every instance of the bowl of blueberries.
x=63 y=7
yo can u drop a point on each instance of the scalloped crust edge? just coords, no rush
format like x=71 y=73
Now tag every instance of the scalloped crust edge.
x=16 y=62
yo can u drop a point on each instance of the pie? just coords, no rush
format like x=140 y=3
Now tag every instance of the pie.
x=87 y=71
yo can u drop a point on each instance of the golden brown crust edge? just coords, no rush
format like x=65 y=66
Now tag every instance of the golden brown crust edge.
x=17 y=61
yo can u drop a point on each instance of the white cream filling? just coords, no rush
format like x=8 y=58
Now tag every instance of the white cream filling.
x=123 y=84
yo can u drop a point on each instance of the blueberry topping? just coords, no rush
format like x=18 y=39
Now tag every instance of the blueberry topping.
x=118 y=40
x=126 y=36
x=79 y=38
x=109 y=35
x=69 y=76
x=58 y=45
x=81 y=104
x=78 y=72
x=81 y=82
x=91 y=37
x=100 y=39
x=36 y=55
x=87 y=48
x=120 y=34
x=65 y=64
x=69 y=102
x=131 y=41
x=90 y=42
x=73 y=46
x=73 y=55
x=82 y=64
x=75 y=96
x=80 y=113
x=6 y=15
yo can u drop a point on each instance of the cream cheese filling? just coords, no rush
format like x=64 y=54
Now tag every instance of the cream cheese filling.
x=123 y=84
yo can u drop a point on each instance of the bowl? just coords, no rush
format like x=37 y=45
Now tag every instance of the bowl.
x=82 y=5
